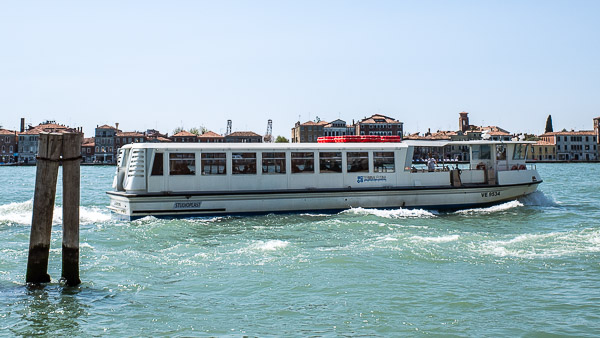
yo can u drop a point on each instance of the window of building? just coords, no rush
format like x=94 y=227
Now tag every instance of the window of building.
x=182 y=164
x=243 y=163
x=89 y=150
x=303 y=162
x=358 y=161
x=11 y=149
x=330 y=162
x=383 y=162
x=157 y=165
x=213 y=163
x=273 y=163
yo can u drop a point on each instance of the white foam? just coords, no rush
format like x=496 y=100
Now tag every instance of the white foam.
x=440 y=239
x=496 y=208
x=395 y=213
x=21 y=213
x=538 y=198
x=546 y=245
x=271 y=245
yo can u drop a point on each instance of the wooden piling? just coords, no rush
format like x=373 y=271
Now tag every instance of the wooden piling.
x=50 y=146
x=71 y=154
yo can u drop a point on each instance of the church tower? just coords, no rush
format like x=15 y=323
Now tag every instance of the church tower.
x=463 y=121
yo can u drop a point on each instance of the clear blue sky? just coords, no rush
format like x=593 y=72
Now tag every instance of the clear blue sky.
x=164 y=64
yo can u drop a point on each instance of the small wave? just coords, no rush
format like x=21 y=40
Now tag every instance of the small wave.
x=492 y=209
x=547 y=245
x=21 y=213
x=395 y=213
x=538 y=198
x=441 y=239
x=271 y=245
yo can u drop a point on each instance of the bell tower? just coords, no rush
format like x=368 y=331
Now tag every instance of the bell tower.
x=463 y=121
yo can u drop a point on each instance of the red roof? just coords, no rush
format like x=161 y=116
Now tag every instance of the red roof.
x=244 y=134
x=106 y=126
x=129 y=133
x=184 y=133
x=378 y=118
x=6 y=132
x=572 y=132
x=210 y=134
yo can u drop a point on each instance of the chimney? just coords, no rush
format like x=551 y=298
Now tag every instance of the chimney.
x=117 y=125
x=22 y=124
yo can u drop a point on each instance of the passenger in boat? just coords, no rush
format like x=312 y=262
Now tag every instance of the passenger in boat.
x=431 y=163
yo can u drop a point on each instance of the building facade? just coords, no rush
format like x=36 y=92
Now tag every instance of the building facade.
x=105 y=149
x=308 y=132
x=88 y=150
x=28 y=140
x=379 y=125
x=597 y=134
x=542 y=151
x=338 y=128
x=8 y=145
x=184 y=137
x=243 y=137
x=574 y=145
x=211 y=137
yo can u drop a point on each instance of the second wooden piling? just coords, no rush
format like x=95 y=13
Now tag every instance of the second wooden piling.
x=43 y=207
x=71 y=158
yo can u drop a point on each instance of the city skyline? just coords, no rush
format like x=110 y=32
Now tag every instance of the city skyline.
x=186 y=64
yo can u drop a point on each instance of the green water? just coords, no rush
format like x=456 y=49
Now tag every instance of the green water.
x=523 y=268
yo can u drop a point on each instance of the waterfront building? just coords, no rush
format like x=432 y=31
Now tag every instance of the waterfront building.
x=338 y=128
x=381 y=125
x=308 y=132
x=88 y=150
x=243 y=137
x=123 y=138
x=574 y=145
x=154 y=136
x=8 y=145
x=597 y=134
x=542 y=151
x=105 y=149
x=28 y=140
x=211 y=137
x=184 y=137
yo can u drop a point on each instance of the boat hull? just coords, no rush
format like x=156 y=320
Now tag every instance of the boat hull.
x=134 y=206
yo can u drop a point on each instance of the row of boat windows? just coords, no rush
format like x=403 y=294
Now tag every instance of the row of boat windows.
x=272 y=163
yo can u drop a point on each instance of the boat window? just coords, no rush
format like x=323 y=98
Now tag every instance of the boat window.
x=500 y=152
x=383 y=162
x=330 y=162
x=243 y=163
x=182 y=164
x=303 y=162
x=481 y=152
x=157 y=165
x=213 y=163
x=273 y=163
x=358 y=162
x=520 y=151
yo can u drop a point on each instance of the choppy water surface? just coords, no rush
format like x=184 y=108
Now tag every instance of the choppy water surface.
x=527 y=267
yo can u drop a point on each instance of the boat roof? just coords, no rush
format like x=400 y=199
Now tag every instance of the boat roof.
x=306 y=146
x=423 y=143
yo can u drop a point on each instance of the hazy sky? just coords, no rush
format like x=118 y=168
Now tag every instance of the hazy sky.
x=164 y=64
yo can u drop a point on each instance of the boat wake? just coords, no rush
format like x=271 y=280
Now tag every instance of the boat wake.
x=21 y=213
x=394 y=213
x=490 y=210
x=546 y=245
x=538 y=198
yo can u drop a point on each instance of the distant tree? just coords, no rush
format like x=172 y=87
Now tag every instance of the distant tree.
x=177 y=130
x=548 y=125
x=281 y=139
x=531 y=137
x=198 y=131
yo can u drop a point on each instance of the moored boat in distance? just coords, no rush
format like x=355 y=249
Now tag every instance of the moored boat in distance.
x=199 y=179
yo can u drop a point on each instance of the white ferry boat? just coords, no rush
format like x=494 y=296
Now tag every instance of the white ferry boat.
x=199 y=179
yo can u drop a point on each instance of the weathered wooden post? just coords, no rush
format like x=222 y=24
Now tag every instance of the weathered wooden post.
x=50 y=146
x=71 y=158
